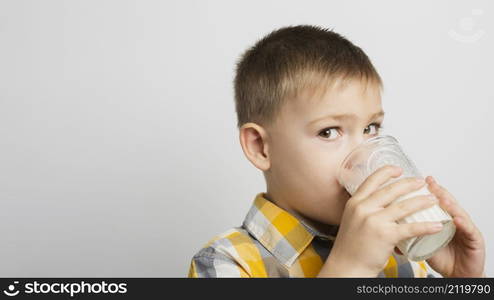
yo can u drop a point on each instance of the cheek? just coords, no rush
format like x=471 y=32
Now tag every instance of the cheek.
x=307 y=160
x=292 y=166
x=295 y=153
x=327 y=169
x=320 y=175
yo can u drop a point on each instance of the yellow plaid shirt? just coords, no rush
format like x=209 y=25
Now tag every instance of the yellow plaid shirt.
x=273 y=243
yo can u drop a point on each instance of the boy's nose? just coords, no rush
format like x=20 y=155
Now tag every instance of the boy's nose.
x=356 y=141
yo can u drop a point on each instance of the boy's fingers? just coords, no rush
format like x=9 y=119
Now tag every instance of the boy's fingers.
x=400 y=209
x=454 y=209
x=375 y=180
x=438 y=190
x=391 y=192
x=461 y=218
x=409 y=230
x=447 y=201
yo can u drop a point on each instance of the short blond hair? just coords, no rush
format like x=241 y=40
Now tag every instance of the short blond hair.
x=288 y=60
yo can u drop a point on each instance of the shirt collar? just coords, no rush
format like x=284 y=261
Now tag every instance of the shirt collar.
x=284 y=235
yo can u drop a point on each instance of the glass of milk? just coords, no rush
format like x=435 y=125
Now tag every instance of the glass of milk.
x=383 y=150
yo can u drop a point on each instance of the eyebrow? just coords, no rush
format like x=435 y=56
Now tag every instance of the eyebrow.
x=346 y=117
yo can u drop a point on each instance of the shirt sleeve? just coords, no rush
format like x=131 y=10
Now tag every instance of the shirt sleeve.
x=214 y=265
x=425 y=270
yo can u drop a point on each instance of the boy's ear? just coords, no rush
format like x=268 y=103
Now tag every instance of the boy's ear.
x=253 y=139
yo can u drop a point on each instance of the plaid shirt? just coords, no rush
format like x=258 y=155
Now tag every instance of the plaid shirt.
x=273 y=243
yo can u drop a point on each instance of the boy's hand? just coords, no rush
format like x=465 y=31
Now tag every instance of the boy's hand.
x=368 y=231
x=464 y=256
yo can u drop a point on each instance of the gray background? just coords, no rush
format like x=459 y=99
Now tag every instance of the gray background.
x=119 y=154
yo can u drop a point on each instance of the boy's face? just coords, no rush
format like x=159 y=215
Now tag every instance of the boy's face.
x=307 y=146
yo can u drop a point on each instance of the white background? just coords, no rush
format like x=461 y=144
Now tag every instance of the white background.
x=119 y=154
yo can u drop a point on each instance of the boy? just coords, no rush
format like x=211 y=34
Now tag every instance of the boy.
x=305 y=97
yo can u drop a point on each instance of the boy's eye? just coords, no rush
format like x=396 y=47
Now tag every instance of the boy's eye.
x=377 y=126
x=329 y=132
